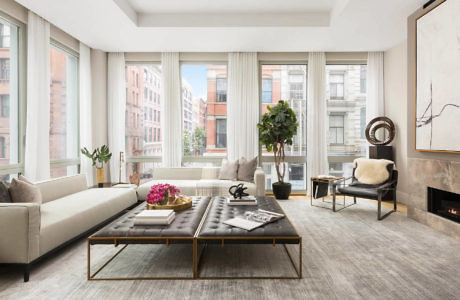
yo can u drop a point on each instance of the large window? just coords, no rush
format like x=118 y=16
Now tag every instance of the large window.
x=64 y=147
x=346 y=117
x=204 y=112
x=142 y=125
x=289 y=83
x=9 y=96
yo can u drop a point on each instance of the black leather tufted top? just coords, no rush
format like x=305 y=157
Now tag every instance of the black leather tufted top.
x=220 y=212
x=184 y=225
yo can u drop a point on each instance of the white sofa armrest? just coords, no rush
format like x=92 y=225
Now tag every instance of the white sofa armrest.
x=19 y=232
x=259 y=180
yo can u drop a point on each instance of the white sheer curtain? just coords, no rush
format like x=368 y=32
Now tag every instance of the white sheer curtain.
x=172 y=110
x=242 y=106
x=116 y=97
x=317 y=118
x=85 y=111
x=375 y=102
x=37 y=154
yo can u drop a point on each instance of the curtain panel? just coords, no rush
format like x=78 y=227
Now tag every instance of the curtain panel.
x=242 y=106
x=37 y=154
x=317 y=117
x=171 y=120
x=375 y=101
x=85 y=112
x=116 y=98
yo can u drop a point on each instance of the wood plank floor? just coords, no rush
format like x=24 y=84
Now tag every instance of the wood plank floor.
x=346 y=255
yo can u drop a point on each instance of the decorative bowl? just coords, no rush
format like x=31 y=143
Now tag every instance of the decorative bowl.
x=180 y=203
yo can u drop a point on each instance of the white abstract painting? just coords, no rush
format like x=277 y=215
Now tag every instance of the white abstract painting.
x=438 y=79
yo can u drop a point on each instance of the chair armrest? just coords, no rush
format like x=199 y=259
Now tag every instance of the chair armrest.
x=387 y=186
x=259 y=180
x=19 y=232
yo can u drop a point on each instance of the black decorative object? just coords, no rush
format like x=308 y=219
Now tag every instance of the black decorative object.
x=238 y=191
x=377 y=123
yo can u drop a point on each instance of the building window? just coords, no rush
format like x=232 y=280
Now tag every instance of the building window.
x=4 y=68
x=336 y=86
x=336 y=129
x=363 y=78
x=146 y=93
x=2 y=147
x=221 y=133
x=221 y=89
x=296 y=86
x=5 y=106
x=296 y=172
x=63 y=109
x=267 y=90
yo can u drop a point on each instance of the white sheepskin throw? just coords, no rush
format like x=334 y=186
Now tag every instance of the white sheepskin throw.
x=372 y=171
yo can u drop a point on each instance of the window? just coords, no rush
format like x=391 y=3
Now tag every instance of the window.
x=204 y=113
x=346 y=118
x=4 y=68
x=5 y=105
x=267 y=90
x=2 y=147
x=336 y=86
x=221 y=89
x=221 y=133
x=363 y=78
x=336 y=129
x=63 y=110
x=139 y=135
x=287 y=82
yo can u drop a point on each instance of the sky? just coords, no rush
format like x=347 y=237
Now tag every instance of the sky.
x=195 y=75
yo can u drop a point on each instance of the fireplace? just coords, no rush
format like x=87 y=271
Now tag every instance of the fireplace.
x=444 y=204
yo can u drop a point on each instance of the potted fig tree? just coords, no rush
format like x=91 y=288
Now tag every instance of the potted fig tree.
x=99 y=157
x=277 y=129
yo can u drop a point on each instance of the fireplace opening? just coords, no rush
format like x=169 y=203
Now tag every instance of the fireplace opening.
x=444 y=204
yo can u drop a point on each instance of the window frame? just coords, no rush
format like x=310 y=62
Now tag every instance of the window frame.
x=22 y=95
x=69 y=162
x=342 y=115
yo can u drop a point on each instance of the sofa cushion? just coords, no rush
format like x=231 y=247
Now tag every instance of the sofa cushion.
x=67 y=217
x=246 y=169
x=229 y=170
x=4 y=193
x=23 y=192
x=62 y=186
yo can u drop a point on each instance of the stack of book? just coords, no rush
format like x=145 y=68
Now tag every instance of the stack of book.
x=155 y=217
x=247 y=200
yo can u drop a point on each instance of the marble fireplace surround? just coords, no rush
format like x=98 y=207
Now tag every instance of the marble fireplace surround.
x=440 y=174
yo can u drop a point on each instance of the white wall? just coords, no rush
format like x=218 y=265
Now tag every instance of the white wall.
x=396 y=109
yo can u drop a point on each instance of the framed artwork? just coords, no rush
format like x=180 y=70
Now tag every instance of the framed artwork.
x=437 y=107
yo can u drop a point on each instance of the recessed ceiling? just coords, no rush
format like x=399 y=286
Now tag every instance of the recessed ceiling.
x=230 y=25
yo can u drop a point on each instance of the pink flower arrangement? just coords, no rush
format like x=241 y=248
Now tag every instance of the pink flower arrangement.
x=161 y=192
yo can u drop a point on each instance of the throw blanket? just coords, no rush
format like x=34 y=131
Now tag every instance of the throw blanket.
x=372 y=171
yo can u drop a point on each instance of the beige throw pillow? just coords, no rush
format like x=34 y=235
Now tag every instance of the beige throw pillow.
x=229 y=170
x=23 y=192
x=246 y=169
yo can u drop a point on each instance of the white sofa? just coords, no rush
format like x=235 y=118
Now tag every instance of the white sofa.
x=69 y=208
x=200 y=181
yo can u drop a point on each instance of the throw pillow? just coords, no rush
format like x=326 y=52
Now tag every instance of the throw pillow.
x=229 y=170
x=23 y=192
x=4 y=193
x=23 y=178
x=246 y=169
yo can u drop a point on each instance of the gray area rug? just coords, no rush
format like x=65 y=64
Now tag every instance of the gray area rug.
x=346 y=255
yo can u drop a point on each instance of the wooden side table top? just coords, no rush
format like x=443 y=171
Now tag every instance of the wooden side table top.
x=325 y=179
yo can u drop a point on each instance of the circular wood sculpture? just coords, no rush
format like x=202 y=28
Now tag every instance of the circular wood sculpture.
x=377 y=123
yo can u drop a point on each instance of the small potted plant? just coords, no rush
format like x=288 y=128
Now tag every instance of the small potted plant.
x=277 y=129
x=162 y=194
x=99 y=157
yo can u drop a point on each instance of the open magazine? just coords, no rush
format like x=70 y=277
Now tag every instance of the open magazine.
x=254 y=219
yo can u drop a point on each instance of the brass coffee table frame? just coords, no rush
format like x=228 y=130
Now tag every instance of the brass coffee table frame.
x=196 y=256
